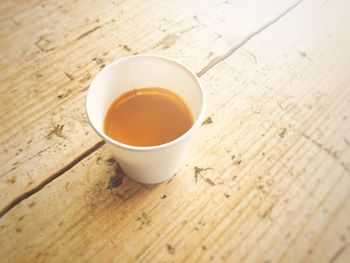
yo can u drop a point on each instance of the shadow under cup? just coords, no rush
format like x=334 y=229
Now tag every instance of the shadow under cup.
x=151 y=164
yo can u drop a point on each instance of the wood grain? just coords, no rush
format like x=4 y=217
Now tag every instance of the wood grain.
x=53 y=120
x=267 y=179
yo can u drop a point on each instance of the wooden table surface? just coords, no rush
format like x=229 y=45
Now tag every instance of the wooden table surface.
x=267 y=177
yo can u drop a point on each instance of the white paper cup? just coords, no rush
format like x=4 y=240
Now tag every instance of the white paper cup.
x=151 y=164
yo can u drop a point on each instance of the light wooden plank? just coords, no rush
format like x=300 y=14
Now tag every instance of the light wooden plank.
x=61 y=134
x=337 y=250
x=50 y=39
x=279 y=157
x=65 y=45
x=11 y=8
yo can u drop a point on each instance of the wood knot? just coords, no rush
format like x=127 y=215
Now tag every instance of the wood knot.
x=117 y=179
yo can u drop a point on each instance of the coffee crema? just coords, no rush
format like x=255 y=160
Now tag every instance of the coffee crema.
x=147 y=117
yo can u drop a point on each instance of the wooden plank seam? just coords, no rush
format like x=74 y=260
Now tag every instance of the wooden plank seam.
x=94 y=148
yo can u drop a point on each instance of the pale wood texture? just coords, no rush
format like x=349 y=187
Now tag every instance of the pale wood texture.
x=266 y=180
x=46 y=117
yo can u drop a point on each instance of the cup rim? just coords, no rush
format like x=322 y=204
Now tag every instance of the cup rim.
x=160 y=146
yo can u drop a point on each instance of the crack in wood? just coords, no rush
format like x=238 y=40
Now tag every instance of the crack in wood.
x=125 y=47
x=197 y=173
x=268 y=211
x=88 y=32
x=68 y=75
x=347 y=141
x=15 y=22
x=337 y=254
x=250 y=54
x=42 y=48
x=94 y=148
x=57 y=130
x=51 y=178
x=207 y=121
x=232 y=50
